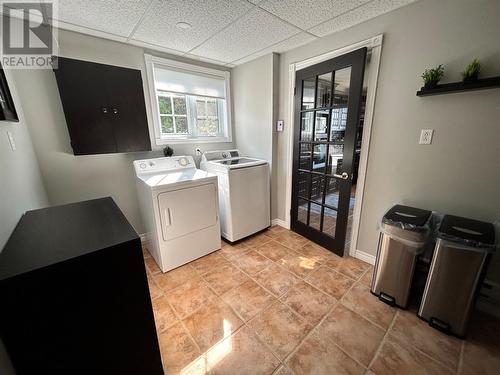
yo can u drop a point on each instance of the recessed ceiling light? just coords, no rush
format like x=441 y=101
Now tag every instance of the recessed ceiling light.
x=183 y=25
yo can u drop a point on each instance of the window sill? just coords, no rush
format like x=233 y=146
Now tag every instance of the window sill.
x=173 y=141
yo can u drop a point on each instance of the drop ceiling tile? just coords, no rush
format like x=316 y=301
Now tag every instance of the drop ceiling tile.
x=309 y=13
x=251 y=33
x=88 y=31
x=295 y=41
x=204 y=59
x=155 y=47
x=248 y=58
x=370 y=10
x=110 y=16
x=206 y=18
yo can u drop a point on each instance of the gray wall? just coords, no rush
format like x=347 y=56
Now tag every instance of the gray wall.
x=70 y=178
x=21 y=187
x=459 y=172
x=255 y=89
x=253 y=107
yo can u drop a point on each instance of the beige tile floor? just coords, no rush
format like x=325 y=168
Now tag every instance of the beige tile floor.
x=279 y=304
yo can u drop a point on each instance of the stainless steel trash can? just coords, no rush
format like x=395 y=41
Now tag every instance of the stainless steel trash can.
x=404 y=232
x=461 y=256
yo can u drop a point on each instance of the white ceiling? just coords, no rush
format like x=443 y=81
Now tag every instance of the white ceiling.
x=225 y=32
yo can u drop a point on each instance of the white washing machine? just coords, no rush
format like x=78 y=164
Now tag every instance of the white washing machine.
x=179 y=205
x=244 y=192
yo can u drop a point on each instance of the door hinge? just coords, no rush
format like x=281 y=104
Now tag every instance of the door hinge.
x=295 y=91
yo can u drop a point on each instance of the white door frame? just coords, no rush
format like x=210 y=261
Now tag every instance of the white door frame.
x=375 y=45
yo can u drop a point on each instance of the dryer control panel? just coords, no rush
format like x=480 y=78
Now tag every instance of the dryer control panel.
x=163 y=164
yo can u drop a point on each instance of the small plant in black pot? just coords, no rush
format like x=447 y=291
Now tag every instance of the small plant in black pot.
x=168 y=151
x=471 y=71
x=432 y=76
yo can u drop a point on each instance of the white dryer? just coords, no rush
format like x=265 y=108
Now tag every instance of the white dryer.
x=179 y=205
x=244 y=192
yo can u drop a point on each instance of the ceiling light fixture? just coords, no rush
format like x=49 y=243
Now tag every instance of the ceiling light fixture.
x=183 y=25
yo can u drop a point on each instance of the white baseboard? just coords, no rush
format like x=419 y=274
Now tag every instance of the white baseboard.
x=365 y=257
x=281 y=223
x=143 y=238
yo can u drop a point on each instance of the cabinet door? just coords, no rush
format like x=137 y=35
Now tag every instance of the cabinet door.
x=84 y=95
x=128 y=109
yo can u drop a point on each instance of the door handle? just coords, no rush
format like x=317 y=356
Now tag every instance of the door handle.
x=167 y=217
x=343 y=176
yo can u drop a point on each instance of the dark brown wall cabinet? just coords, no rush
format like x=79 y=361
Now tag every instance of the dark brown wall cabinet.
x=104 y=107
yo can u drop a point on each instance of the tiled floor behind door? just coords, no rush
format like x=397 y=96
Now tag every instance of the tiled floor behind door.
x=279 y=304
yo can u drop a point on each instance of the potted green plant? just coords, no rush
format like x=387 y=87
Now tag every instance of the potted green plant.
x=471 y=71
x=432 y=76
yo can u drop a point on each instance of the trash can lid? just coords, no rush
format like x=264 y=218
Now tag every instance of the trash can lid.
x=471 y=232
x=406 y=217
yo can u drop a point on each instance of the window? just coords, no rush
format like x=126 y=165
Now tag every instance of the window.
x=173 y=113
x=190 y=103
x=207 y=116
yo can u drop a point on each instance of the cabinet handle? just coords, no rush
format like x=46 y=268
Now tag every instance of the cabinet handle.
x=104 y=110
x=115 y=111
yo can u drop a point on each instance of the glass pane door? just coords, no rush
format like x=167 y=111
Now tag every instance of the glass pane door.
x=327 y=114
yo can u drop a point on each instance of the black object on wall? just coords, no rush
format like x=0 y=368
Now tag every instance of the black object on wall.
x=7 y=108
x=448 y=88
x=104 y=107
x=74 y=294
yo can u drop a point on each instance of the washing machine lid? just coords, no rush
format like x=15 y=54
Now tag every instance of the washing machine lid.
x=240 y=162
x=174 y=178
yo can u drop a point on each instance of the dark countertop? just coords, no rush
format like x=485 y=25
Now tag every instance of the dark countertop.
x=51 y=235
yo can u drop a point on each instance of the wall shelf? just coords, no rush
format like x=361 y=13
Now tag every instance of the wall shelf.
x=447 y=88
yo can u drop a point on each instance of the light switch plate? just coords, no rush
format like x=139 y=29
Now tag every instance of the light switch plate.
x=279 y=125
x=11 y=140
x=426 y=136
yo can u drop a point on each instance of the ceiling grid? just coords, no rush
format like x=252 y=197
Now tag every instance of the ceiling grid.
x=224 y=32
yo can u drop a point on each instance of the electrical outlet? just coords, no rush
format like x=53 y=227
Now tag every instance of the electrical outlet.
x=426 y=136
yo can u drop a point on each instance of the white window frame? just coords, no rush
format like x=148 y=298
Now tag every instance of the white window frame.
x=161 y=139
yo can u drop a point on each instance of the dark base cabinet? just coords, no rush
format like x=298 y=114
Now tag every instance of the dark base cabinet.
x=82 y=305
